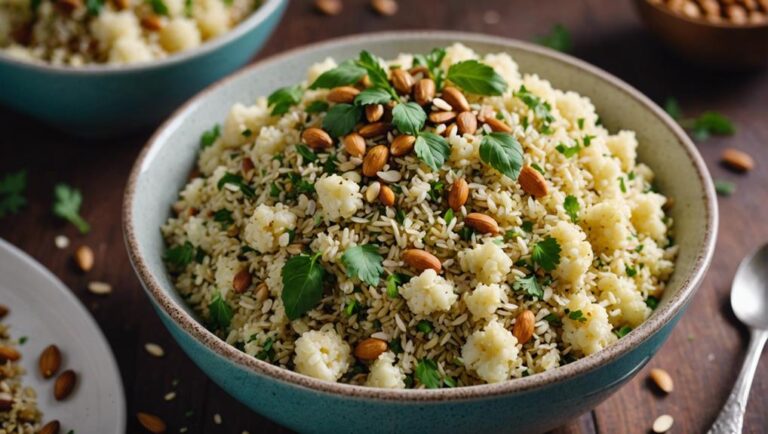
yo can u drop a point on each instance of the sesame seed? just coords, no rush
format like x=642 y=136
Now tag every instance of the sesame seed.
x=61 y=241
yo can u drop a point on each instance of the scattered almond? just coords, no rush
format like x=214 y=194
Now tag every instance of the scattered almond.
x=524 y=325
x=154 y=350
x=386 y=8
x=370 y=348
x=84 y=258
x=329 y=7
x=372 y=192
x=497 y=125
x=3 y=311
x=402 y=81
x=441 y=117
x=458 y=194
x=663 y=380
x=532 y=182
x=50 y=361
x=9 y=353
x=52 y=427
x=456 y=99
x=481 y=223
x=343 y=94
x=151 y=22
x=386 y=196
x=467 y=123
x=402 y=145
x=262 y=292
x=316 y=138
x=64 y=385
x=374 y=129
x=738 y=160
x=375 y=160
x=354 y=144
x=374 y=112
x=424 y=91
x=242 y=281
x=663 y=424
x=99 y=288
x=421 y=260
x=151 y=423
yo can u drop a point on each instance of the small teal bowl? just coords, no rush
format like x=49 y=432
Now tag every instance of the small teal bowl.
x=530 y=404
x=106 y=100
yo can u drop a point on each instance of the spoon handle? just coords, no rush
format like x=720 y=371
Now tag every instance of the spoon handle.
x=731 y=417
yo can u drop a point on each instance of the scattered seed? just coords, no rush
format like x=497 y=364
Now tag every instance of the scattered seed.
x=385 y=8
x=154 y=349
x=663 y=380
x=170 y=396
x=61 y=241
x=491 y=17
x=663 y=423
x=329 y=7
x=100 y=288
x=217 y=419
x=50 y=361
x=84 y=258
x=737 y=160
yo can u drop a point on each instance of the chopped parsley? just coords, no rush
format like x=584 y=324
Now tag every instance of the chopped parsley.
x=436 y=189
x=538 y=168
x=558 y=38
x=568 y=151
x=352 y=307
x=12 y=188
x=577 y=315
x=302 y=284
x=502 y=152
x=267 y=352
x=448 y=216
x=652 y=302
x=376 y=74
x=223 y=217
x=220 y=313
x=283 y=99
x=363 y=262
x=553 y=319
x=92 y=6
x=238 y=181
x=331 y=164
x=306 y=153
x=477 y=78
x=530 y=286
x=527 y=226
x=541 y=109
x=622 y=185
x=631 y=271
x=66 y=204
x=424 y=326
x=724 y=188
x=580 y=123
x=158 y=7
x=572 y=207
x=180 y=256
x=623 y=331
x=393 y=282
x=428 y=374
x=396 y=346
x=546 y=253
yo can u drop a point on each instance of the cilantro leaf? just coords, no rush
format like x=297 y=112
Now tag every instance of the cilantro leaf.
x=577 y=315
x=541 y=109
x=12 y=187
x=92 y=6
x=502 y=152
x=378 y=76
x=209 y=137
x=672 y=107
x=724 y=188
x=530 y=286
x=283 y=99
x=66 y=205
x=180 y=256
x=306 y=153
x=236 y=180
x=425 y=326
x=158 y=7
x=409 y=118
x=302 y=284
x=559 y=38
x=363 y=262
x=568 y=151
x=220 y=312
x=546 y=253
x=448 y=216
x=432 y=149
x=373 y=95
x=344 y=74
x=478 y=78
x=341 y=119
x=712 y=123
x=317 y=107
x=433 y=62
x=623 y=331
x=572 y=207
x=394 y=281
x=652 y=302
x=428 y=374
x=223 y=217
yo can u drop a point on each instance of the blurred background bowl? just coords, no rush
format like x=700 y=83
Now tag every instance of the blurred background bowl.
x=99 y=101
x=721 y=45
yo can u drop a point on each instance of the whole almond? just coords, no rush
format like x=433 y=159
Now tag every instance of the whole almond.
x=738 y=160
x=343 y=94
x=329 y=7
x=374 y=112
x=84 y=258
x=441 y=117
x=151 y=22
x=52 y=427
x=316 y=138
x=375 y=160
x=421 y=69
x=3 y=311
x=482 y=223
x=402 y=81
x=663 y=380
x=456 y=99
x=386 y=196
x=385 y=8
x=421 y=260
x=458 y=194
x=354 y=144
x=151 y=423
x=9 y=353
x=373 y=130
x=242 y=281
x=497 y=125
x=50 y=361
x=402 y=145
x=424 y=91
x=532 y=182
x=247 y=166
x=524 y=324
x=64 y=385
x=370 y=348
x=121 y=4
x=467 y=123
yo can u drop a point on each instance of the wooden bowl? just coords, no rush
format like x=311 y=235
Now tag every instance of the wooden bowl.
x=719 y=45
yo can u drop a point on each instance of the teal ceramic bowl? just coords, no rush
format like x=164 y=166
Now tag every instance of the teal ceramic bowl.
x=529 y=404
x=106 y=100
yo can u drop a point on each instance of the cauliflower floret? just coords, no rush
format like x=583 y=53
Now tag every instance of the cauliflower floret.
x=573 y=107
x=607 y=225
x=269 y=142
x=241 y=118
x=492 y=353
x=179 y=34
x=605 y=170
x=624 y=146
x=465 y=150
x=322 y=354
x=129 y=50
x=319 y=68
x=628 y=299
x=648 y=216
x=487 y=262
x=484 y=300
x=110 y=26
x=267 y=226
x=503 y=64
x=385 y=374
x=428 y=292
x=338 y=197
x=575 y=253
x=590 y=331
x=212 y=18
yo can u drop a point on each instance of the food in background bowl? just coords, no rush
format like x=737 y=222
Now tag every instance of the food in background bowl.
x=75 y=33
x=435 y=220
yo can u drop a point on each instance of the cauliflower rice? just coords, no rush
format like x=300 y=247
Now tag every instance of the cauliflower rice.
x=18 y=404
x=589 y=258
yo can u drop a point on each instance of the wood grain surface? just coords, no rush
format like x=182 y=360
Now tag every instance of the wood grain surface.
x=703 y=354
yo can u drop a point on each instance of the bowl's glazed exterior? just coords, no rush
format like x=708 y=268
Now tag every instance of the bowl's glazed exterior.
x=105 y=100
x=529 y=404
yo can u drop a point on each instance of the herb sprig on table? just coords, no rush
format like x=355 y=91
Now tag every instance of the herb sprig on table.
x=558 y=38
x=702 y=127
x=67 y=202
x=12 y=188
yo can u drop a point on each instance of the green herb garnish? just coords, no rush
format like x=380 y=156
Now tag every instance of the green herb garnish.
x=652 y=302
x=158 y=7
x=180 y=256
x=672 y=107
x=238 y=181
x=631 y=271
x=283 y=99
x=530 y=286
x=92 y=6
x=428 y=374
x=408 y=118
x=209 y=137
x=220 y=312
x=448 y=216
x=302 y=284
x=364 y=263
x=477 y=78
x=432 y=61
x=12 y=188
x=376 y=74
x=373 y=95
x=623 y=331
x=344 y=74
x=541 y=109
x=502 y=152
x=223 y=217
x=568 y=151
x=572 y=207
x=393 y=282
x=577 y=315
x=67 y=201
x=341 y=119
x=317 y=107
x=432 y=149
x=424 y=326
x=306 y=153
x=553 y=319
x=546 y=253
x=559 y=38
x=267 y=352
x=724 y=188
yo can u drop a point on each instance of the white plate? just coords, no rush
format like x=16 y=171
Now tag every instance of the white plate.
x=46 y=312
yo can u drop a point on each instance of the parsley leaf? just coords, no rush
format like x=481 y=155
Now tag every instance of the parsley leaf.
x=553 y=319
x=92 y=6
x=283 y=99
x=393 y=282
x=652 y=302
x=541 y=109
x=530 y=286
x=306 y=153
x=425 y=326
x=236 y=180
x=448 y=216
x=546 y=253
x=572 y=207
x=223 y=217
x=158 y=7
x=568 y=151
x=409 y=118
x=346 y=73
x=478 y=78
x=631 y=271
x=209 y=137
x=428 y=374
x=623 y=331
x=66 y=205
x=432 y=149
x=341 y=119
x=363 y=262
x=267 y=352
x=317 y=107
x=724 y=188
x=180 y=256
x=373 y=95
x=712 y=123
x=220 y=313
x=577 y=315
x=12 y=187
x=559 y=38
x=378 y=76
x=432 y=61
x=502 y=152
x=302 y=284
x=672 y=107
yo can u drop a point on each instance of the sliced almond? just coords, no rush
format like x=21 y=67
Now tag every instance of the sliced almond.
x=663 y=380
x=52 y=427
x=456 y=99
x=385 y=8
x=374 y=112
x=373 y=130
x=9 y=353
x=50 y=361
x=441 y=117
x=450 y=130
x=343 y=94
x=154 y=349
x=402 y=81
x=386 y=196
x=402 y=145
x=354 y=144
x=738 y=160
x=524 y=325
x=64 y=385
x=467 y=123
x=374 y=160
x=663 y=424
x=316 y=138
x=458 y=194
x=370 y=349
x=247 y=167
x=329 y=7
x=151 y=423
x=532 y=182
x=242 y=281
x=424 y=91
x=151 y=22
x=421 y=260
x=497 y=125
x=372 y=192
x=481 y=223
x=99 y=288
x=84 y=258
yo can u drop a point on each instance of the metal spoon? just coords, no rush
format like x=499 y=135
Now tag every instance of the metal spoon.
x=749 y=300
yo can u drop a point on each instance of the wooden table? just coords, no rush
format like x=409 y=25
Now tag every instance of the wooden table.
x=705 y=350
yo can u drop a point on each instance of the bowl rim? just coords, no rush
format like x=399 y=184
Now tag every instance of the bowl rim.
x=725 y=25
x=259 y=16
x=662 y=315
